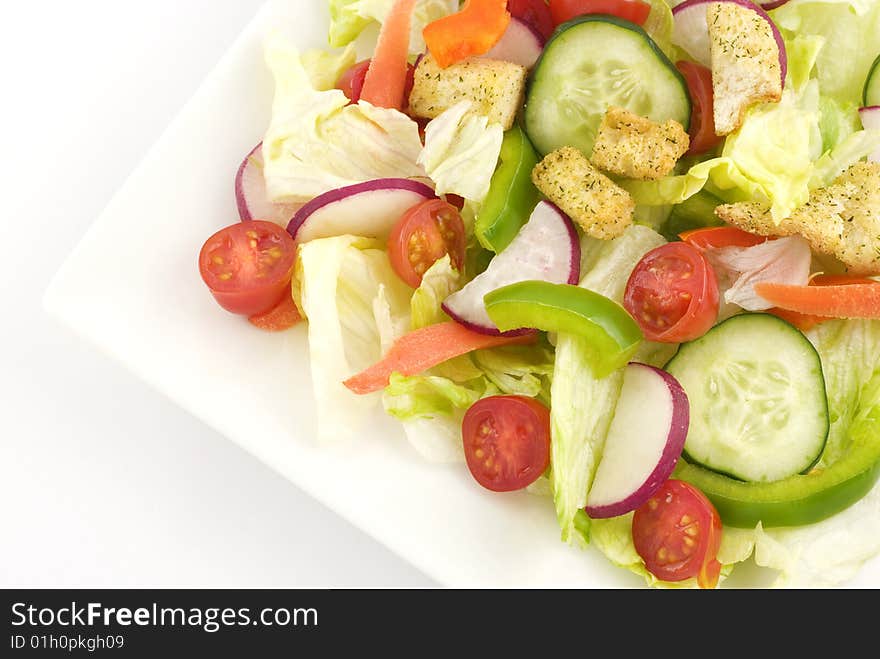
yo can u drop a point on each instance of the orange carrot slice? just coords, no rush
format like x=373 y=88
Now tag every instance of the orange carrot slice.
x=424 y=348
x=472 y=31
x=386 y=78
x=281 y=317
x=837 y=301
x=805 y=321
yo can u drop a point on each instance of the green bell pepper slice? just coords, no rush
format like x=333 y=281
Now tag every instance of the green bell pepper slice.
x=512 y=195
x=797 y=500
x=613 y=334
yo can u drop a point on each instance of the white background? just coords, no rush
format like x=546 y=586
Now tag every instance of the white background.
x=102 y=481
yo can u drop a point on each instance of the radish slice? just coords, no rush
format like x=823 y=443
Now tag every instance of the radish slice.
x=521 y=44
x=546 y=249
x=366 y=209
x=251 y=196
x=690 y=31
x=871 y=121
x=644 y=442
x=773 y=5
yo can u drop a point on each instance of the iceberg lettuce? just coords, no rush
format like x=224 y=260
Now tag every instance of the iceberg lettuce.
x=583 y=405
x=351 y=297
x=781 y=152
x=851 y=33
x=461 y=152
x=317 y=142
x=324 y=69
x=348 y=18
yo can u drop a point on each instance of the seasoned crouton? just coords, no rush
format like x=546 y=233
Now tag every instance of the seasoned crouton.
x=602 y=208
x=842 y=220
x=636 y=147
x=495 y=88
x=745 y=63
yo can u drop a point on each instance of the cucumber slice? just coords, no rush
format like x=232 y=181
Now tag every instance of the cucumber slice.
x=757 y=395
x=872 y=85
x=594 y=62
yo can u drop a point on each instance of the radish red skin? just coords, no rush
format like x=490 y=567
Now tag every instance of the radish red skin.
x=307 y=213
x=250 y=193
x=674 y=444
x=521 y=44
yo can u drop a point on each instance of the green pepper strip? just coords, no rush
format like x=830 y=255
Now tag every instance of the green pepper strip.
x=512 y=195
x=793 y=501
x=613 y=334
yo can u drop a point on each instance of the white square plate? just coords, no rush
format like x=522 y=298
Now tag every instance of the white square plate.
x=150 y=310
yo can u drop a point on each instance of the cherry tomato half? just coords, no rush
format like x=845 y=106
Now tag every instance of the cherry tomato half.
x=702 y=128
x=506 y=441
x=248 y=266
x=635 y=11
x=721 y=237
x=424 y=235
x=534 y=13
x=672 y=294
x=352 y=81
x=677 y=532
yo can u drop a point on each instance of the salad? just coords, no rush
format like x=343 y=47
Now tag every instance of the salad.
x=621 y=254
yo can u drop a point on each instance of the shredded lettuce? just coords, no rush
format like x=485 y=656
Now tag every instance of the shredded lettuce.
x=782 y=151
x=461 y=152
x=851 y=32
x=348 y=18
x=439 y=282
x=325 y=68
x=317 y=142
x=346 y=288
x=583 y=405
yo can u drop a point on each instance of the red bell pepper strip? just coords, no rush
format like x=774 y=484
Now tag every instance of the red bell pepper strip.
x=472 y=31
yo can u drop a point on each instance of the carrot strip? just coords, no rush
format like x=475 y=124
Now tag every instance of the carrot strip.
x=386 y=78
x=847 y=301
x=281 y=317
x=424 y=348
x=802 y=321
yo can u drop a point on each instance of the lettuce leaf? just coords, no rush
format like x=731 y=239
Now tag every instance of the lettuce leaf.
x=317 y=142
x=348 y=292
x=348 y=18
x=439 y=282
x=782 y=151
x=324 y=68
x=582 y=405
x=461 y=152
x=851 y=33
x=346 y=23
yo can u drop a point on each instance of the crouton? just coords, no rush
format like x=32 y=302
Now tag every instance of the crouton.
x=602 y=208
x=495 y=88
x=842 y=220
x=745 y=63
x=636 y=147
